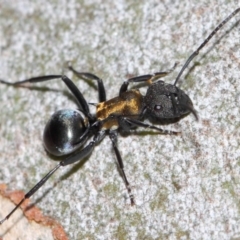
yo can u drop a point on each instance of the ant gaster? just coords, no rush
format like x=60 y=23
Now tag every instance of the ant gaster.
x=68 y=132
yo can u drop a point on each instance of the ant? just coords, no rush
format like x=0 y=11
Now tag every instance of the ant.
x=75 y=133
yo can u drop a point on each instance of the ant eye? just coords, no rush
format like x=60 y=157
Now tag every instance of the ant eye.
x=158 y=107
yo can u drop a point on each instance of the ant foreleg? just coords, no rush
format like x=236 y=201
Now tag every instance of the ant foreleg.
x=123 y=121
x=145 y=78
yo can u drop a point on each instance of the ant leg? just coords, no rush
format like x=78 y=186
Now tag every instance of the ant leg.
x=32 y=80
x=69 y=160
x=124 y=122
x=90 y=76
x=77 y=156
x=31 y=192
x=145 y=78
x=72 y=87
x=113 y=137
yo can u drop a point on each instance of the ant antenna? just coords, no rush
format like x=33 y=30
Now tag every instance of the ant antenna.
x=194 y=54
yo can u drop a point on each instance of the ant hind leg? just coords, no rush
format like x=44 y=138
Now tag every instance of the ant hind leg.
x=90 y=76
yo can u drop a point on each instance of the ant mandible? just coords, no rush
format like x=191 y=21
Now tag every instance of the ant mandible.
x=67 y=131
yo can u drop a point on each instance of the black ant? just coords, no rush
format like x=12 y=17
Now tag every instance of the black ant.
x=68 y=131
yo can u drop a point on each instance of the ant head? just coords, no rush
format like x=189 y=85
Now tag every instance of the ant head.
x=167 y=102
